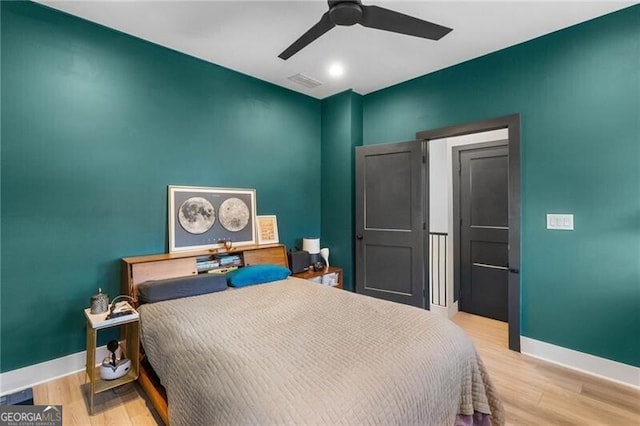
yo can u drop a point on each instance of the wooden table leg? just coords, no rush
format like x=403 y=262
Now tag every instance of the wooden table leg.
x=90 y=364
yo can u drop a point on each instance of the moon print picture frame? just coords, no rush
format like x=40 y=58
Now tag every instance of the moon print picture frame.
x=204 y=218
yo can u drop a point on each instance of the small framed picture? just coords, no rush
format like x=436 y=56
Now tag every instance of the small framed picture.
x=267 y=229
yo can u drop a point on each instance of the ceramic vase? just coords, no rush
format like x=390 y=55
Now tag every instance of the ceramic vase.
x=324 y=253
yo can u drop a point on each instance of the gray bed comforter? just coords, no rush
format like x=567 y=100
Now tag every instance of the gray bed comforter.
x=294 y=352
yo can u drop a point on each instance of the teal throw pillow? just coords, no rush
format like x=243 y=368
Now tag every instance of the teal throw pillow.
x=256 y=274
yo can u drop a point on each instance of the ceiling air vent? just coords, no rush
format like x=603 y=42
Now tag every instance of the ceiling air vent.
x=305 y=80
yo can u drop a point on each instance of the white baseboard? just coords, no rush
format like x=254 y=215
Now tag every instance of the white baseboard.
x=22 y=378
x=453 y=309
x=444 y=311
x=439 y=310
x=618 y=372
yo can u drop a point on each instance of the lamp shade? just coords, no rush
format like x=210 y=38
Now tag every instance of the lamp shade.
x=311 y=245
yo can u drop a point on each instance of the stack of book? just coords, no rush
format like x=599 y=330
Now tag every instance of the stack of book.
x=205 y=264
x=229 y=260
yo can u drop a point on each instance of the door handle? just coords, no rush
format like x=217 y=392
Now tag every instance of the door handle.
x=514 y=270
x=359 y=236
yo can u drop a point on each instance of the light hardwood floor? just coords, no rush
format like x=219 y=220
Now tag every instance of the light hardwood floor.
x=533 y=392
x=538 y=393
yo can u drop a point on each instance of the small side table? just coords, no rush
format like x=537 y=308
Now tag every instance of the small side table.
x=130 y=329
x=310 y=275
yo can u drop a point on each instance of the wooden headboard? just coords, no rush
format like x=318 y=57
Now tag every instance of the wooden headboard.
x=139 y=269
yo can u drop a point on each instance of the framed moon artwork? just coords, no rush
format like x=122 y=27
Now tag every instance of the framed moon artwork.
x=207 y=218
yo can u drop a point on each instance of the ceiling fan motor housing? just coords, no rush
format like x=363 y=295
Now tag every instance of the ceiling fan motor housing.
x=345 y=13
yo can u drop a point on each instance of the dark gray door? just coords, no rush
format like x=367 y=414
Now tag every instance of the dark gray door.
x=484 y=230
x=390 y=222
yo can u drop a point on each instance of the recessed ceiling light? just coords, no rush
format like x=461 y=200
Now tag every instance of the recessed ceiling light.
x=336 y=70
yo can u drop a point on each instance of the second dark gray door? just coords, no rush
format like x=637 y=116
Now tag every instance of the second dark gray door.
x=484 y=230
x=390 y=243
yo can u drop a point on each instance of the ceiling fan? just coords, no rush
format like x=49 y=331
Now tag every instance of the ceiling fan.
x=350 y=12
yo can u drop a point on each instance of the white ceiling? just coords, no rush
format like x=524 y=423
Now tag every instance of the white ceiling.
x=247 y=36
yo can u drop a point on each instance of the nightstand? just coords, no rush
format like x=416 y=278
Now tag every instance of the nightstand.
x=318 y=276
x=129 y=329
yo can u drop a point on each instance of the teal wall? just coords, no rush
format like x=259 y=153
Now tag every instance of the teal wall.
x=578 y=93
x=341 y=133
x=95 y=125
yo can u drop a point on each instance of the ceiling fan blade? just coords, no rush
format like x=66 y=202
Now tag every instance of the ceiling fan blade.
x=315 y=32
x=388 y=20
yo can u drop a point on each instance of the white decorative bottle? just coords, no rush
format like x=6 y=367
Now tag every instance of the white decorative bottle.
x=324 y=253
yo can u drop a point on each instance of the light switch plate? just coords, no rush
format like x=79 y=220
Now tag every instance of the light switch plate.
x=560 y=221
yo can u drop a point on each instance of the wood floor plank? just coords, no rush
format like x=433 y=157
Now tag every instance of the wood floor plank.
x=75 y=413
x=533 y=392
x=40 y=393
x=624 y=398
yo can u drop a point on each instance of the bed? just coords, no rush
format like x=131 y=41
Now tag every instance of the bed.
x=295 y=352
